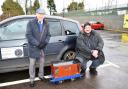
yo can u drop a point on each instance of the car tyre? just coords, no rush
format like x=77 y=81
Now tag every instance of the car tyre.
x=69 y=55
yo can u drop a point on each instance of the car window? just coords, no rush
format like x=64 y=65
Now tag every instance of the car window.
x=98 y=22
x=71 y=27
x=14 y=30
x=55 y=28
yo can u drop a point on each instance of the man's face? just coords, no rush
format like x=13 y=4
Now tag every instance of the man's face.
x=87 y=29
x=40 y=16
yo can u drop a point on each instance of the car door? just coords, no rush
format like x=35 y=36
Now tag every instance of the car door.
x=13 y=46
x=70 y=28
x=56 y=42
x=71 y=31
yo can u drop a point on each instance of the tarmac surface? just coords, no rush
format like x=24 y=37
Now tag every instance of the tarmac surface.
x=113 y=74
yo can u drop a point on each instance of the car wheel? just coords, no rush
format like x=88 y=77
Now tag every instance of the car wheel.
x=69 y=55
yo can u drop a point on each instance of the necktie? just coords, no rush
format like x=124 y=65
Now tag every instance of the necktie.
x=40 y=26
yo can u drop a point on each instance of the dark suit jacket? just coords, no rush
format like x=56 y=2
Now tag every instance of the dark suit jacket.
x=35 y=37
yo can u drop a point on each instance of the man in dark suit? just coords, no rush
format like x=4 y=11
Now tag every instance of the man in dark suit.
x=38 y=36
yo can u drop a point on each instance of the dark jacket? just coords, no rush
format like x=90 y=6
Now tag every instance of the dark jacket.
x=36 y=38
x=86 y=43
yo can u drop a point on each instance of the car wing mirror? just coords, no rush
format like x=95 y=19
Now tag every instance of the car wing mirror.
x=68 y=32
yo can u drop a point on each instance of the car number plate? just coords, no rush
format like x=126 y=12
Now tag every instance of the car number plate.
x=12 y=52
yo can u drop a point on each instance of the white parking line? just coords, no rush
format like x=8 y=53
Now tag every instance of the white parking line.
x=16 y=82
x=36 y=79
x=102 y=66
x=113 y=64
x=21 y=81
x=105 y=65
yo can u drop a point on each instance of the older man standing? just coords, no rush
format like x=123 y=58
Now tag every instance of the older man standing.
x=38 y=36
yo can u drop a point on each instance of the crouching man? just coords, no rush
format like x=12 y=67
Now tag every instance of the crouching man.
x=89 y=46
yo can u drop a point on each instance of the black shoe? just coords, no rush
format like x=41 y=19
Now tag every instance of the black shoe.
x=82 y=73
x=32 y=84
x=93 y=71
x=42 y=79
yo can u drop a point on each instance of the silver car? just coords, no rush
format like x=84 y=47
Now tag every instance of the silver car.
x=14 y=47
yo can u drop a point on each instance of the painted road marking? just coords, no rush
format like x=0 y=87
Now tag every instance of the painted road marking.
x=21 y=81
x=36 y=79
x=102 y=66
x=113 y=64
x=16 y=82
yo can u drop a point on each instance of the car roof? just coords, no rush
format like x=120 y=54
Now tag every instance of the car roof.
x=32 y=16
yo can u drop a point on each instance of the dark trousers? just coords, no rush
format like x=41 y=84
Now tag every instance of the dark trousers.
x=95 y=61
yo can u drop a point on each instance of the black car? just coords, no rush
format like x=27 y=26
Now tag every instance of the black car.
x=14 y=47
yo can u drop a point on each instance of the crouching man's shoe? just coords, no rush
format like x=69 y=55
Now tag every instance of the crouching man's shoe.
x=82 y=73
x=93 y=71
x=32 y=84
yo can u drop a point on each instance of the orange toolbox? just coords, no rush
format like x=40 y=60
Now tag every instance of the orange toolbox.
x=65 y=70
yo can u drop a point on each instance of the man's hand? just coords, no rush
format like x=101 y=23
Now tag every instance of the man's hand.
x=41 y=46
x=95 y=53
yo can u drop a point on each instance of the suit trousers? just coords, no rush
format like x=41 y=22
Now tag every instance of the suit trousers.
x=32 y=70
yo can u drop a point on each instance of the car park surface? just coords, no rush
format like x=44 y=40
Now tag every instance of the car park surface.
x=113 y=74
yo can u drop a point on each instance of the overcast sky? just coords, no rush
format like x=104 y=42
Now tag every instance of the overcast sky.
x=89 y=4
